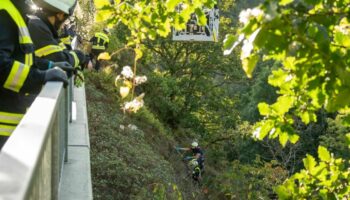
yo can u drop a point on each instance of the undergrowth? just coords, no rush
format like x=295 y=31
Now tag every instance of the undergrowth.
x=132 y=157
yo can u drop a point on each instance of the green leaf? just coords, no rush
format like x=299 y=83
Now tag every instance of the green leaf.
x=101 y=3
x=249 y=28
x=261 y=131
x=308 y=117
x=289 y=63
x=202 y=20
x=316 y=94
x=103 y=15
x=320 y=171
x=285 y=2
x=346 y=120
x=231 y=42
x=342 y=33
x=348 y=139
x=283 y=104
x=293 y=138
x=138 y=54
x=264 y=108
x=309 y=162
x=342 y=39
x=324 y=154
x=171 y=4
x=283 y=138
x=261 y=38
x=249 y=64
x=313 y=2
x=339 y=100
x=282 y=192
x=277 y=78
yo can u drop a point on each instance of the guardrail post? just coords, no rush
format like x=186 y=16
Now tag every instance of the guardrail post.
x=70 y=97
x=68 y=116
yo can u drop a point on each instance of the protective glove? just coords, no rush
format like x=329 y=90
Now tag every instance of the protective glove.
x=83 y=59
x=56 y=74
x=65 y=66
x=88 y=60
x=79 y=79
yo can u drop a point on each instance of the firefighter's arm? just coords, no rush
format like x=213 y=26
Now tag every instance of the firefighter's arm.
x=48 y=47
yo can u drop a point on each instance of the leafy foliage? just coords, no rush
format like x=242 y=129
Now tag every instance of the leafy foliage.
x=313 y=53
x=335 y=138
x=252 y=181
x=148 y=19
x=124 y=165
x=195 y=92
x=257 y=91
x=327 y=179
x=314 y=58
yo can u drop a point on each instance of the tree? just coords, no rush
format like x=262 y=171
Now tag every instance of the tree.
x=146 y=20
x=327 y=179
x=310 y=40
x=313 y=53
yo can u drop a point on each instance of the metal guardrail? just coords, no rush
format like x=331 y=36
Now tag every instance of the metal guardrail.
x=32 y=159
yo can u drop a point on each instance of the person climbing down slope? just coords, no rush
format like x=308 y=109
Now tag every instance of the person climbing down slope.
x=196 y=152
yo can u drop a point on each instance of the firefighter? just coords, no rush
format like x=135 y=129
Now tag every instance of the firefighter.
x=43 y=28
x=196 y=152
x=99 y=44
x=68 y=33
x=19 y=72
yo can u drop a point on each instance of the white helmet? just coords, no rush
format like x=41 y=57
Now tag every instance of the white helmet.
x=65 y=6
x=194 y=144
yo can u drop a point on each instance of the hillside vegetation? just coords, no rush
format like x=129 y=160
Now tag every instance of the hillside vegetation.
x=131 y=157
x=282 y=133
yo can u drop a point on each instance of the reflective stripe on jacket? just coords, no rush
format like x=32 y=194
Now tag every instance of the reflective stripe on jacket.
x=8 y=122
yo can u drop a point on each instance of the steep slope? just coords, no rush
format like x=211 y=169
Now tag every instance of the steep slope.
x=132 y=157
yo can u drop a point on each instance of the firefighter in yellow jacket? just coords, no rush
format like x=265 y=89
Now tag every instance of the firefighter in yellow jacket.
x=99 y=44
x=43 y=28
x=19 y=71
